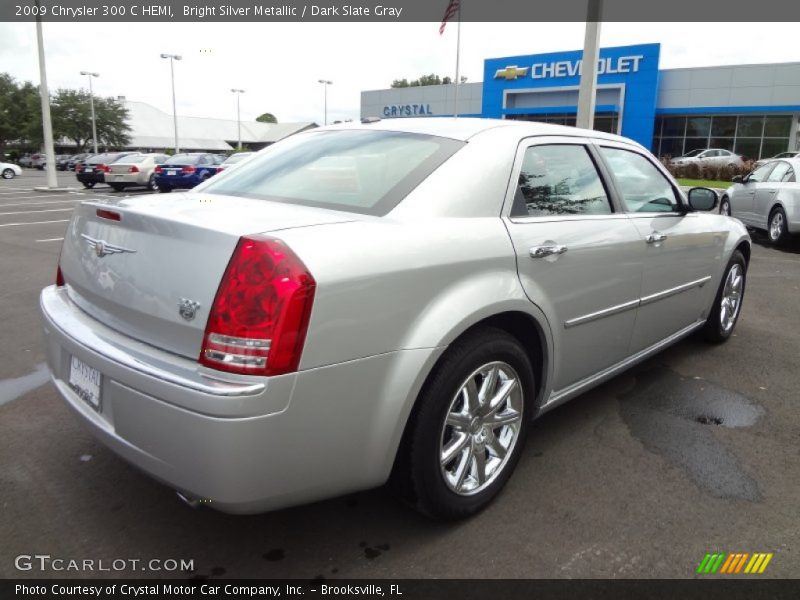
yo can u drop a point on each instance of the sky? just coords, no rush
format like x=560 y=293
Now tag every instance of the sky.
x=279 y=65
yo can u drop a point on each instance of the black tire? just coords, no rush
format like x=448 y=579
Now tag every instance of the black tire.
x=715 y=330
x=88 y=184
x=162 y=189
x=419 y=475
x=777 y=232
x=118 y=187
x=8 y=174
x=725 y=206
x=151 y=183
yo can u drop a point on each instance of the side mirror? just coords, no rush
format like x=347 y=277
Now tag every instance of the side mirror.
x=737 y=179
x=701 y=198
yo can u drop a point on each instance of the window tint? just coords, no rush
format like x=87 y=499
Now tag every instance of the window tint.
x=203 y=160
x=761 y=173
x=779 y=171
x=642 y=186
x=559 y=180
x=182 y=159
x=363 y=171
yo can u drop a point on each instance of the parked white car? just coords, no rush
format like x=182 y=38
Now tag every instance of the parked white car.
x=791 y=154
x=712 y=157
x=9 y=170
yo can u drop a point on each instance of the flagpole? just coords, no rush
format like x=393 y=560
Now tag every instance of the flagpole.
x=458 y=57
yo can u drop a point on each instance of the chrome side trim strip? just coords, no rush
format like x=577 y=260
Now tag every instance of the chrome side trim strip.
x=676 y=290
x=561 y=396
x=613 y=310
x=606 y=312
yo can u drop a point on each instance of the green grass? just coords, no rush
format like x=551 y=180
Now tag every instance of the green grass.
x=704 y=183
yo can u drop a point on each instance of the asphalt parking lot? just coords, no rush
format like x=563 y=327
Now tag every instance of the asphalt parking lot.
x=697 y=450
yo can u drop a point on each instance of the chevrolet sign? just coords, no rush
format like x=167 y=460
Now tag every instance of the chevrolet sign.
x=511 y=73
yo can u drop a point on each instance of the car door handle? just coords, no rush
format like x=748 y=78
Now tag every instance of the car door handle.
x=656 y=236
x=547 y=250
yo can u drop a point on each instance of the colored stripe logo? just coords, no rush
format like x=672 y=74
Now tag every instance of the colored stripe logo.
x=734 y=563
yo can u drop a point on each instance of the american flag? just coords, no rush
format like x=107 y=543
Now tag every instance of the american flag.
x=451 y=11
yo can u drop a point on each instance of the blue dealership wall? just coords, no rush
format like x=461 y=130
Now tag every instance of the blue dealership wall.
x=634 y=66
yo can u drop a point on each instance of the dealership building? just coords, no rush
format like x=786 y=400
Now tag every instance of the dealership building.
x=752 y=110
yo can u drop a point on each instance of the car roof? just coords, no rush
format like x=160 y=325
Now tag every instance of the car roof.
x=463 y=128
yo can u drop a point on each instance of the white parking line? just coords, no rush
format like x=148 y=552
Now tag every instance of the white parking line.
x=34 y=223
x=30 y=197
x=40 y=203
x=51 y=240
x=29 y=212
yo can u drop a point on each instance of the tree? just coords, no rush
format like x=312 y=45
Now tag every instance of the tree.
x=19 y=111
x=72 y=119
x=266 y=118
x=431 y=79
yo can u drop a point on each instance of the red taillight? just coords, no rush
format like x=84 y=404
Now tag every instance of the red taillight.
x=158 y=169
x=108 y=214
x=133 y=169
x=188 y=169
x=258 y=322
x=59 y=275
x=220 y=169
x=104 y=168
x=78 y=167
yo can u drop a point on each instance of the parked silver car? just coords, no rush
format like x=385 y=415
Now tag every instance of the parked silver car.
x=716 y=157
x=392 y=300
x=767 y=199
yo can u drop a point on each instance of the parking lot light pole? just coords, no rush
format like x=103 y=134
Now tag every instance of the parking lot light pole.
x=587 y=91
x=325 y=83
x=44 y=93
x=91 y=103
x=172 y=58
x=238 y=93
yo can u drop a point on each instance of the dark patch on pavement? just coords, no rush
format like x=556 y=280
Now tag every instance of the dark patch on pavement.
x=671 y=414
x=375 y=552
x=275 y=554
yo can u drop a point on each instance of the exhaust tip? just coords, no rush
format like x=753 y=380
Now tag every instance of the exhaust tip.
x=189 y=501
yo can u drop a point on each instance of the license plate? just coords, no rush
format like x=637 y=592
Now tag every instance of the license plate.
x=88 y=169
x=118 y=177
x=85 y=381
x=172 y=171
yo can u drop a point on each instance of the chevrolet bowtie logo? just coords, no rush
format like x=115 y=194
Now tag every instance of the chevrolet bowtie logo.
x=511 y=73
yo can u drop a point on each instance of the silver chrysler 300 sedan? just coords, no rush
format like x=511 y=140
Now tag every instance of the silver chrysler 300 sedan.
x=390 y=301
x=767 y=199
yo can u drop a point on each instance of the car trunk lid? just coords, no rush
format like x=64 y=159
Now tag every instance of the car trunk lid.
x=150 y=266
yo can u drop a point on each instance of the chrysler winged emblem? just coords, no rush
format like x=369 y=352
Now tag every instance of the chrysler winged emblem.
x=188 y=308
x=103 y=248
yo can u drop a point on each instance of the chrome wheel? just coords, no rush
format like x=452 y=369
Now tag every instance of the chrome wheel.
x=481 y=428
x=776 y=225
x=8 y=174
x=731 y=299
x=725 y=208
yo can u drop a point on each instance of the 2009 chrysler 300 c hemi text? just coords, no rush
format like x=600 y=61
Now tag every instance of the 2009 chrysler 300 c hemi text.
x=388 y=301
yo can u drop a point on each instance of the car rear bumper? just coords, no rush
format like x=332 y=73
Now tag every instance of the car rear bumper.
x=244 y=445
x=127 y=178
x=93 y=177
x=177 y=181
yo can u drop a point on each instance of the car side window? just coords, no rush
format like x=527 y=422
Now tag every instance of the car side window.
x=642 y=186
x=789 y=176
x=779 y=172
x=761 y=173
x=559 y=179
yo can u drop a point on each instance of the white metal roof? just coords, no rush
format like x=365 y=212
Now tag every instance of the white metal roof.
x=153 y=128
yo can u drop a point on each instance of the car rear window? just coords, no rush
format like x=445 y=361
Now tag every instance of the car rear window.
x=183 y=159
x=367 y=172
